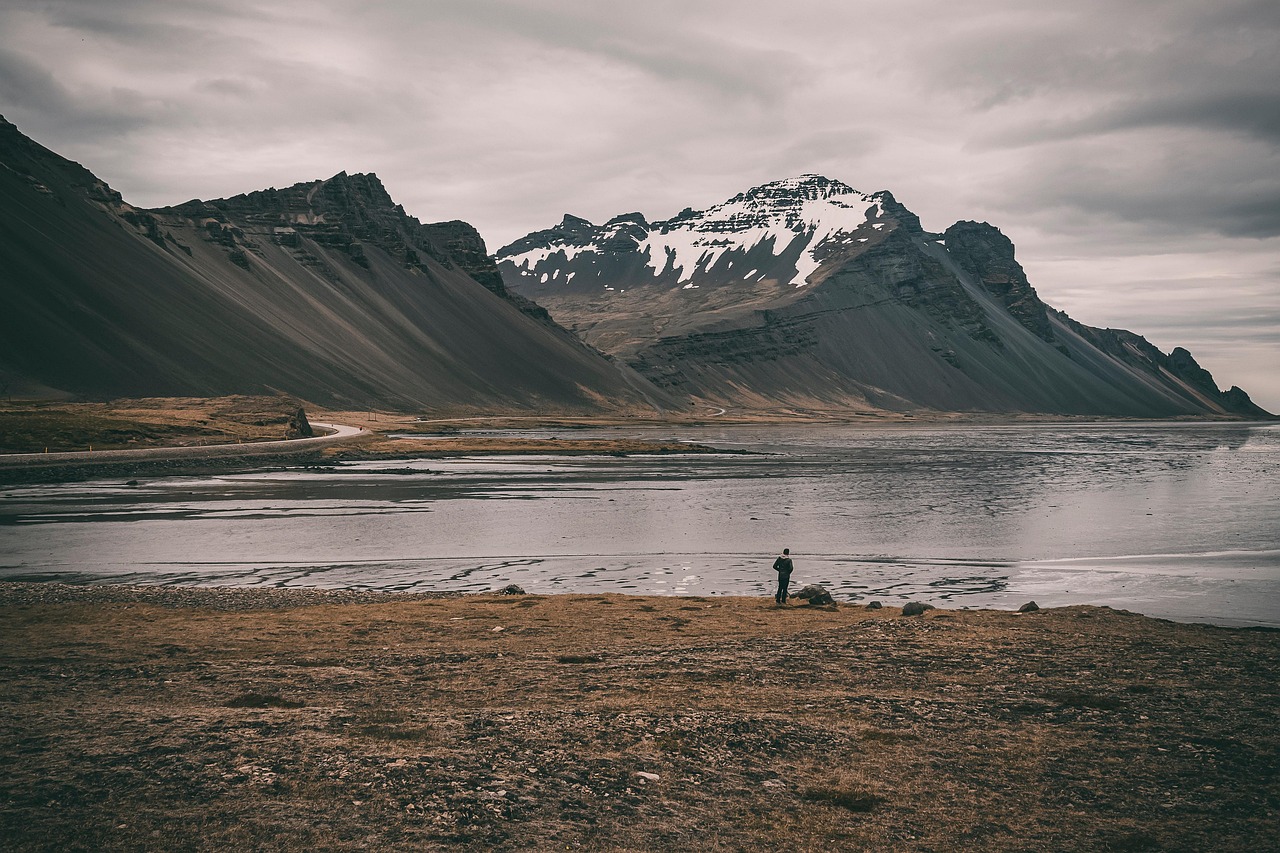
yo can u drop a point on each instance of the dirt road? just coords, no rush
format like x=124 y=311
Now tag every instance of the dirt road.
x=336 y=434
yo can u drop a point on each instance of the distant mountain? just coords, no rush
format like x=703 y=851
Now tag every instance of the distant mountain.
x=807 y=294
x=326 y=290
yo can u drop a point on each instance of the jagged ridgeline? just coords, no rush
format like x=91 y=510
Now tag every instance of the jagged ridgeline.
x=326 y=290
x=808 y=294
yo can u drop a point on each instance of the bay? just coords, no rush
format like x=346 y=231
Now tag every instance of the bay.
x=1176 y=520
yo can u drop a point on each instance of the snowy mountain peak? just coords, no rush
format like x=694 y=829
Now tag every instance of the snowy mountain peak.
x=778 y=231
x=806 y=186
x=809 y=201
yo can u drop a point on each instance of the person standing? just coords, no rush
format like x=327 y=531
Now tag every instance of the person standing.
x=783 y=567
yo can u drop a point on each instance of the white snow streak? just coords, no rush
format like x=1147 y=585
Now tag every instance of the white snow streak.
x=806 y=208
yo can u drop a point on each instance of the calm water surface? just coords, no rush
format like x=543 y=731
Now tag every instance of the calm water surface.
x=1173 y=520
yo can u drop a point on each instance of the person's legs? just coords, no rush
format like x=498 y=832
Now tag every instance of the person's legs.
x=783 y=583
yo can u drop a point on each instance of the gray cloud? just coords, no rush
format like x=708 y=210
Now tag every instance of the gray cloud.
x=1102 y=137
x=1255 y=114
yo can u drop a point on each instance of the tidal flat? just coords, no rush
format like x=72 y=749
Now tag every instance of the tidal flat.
x=299 y=719
x=1174 y=520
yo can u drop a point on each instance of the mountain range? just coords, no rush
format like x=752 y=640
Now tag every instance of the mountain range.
x=797 y=295
x=806 y=294
x=326 y=290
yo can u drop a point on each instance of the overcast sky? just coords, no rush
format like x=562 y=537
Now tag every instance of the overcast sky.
x=1130 y=150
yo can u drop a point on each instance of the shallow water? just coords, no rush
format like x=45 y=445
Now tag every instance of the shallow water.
x=1173 y=520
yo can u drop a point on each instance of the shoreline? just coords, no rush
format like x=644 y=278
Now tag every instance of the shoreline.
x=376 y=444
x=321 y=452
x=24 y=590
x=291 y=720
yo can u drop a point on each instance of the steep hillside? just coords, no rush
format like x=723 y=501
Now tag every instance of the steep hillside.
x=808 y=294
x=326 y=290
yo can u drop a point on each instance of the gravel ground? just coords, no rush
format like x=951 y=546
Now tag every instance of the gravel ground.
x=172 y=718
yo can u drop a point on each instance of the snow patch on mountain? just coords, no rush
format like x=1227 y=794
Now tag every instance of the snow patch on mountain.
x=772 y=217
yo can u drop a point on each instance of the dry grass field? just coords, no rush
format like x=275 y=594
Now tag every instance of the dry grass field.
x=33 y=427
x=185 y=719
x=138 y=424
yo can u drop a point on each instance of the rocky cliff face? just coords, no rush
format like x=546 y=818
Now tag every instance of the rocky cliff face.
x=345 y=214
x=326 y=290
x=984 y=253
x=808 y=294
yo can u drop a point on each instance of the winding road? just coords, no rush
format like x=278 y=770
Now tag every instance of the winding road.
x=338 y=433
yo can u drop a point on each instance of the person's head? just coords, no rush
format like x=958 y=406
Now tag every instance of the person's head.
x=786 y=551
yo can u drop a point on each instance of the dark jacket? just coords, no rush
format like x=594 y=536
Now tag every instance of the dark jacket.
x=782 y=565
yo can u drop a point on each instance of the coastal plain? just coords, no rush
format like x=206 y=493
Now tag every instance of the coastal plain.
x=198 y=718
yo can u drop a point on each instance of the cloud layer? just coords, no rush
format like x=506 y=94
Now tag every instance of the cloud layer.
x=1131 y=151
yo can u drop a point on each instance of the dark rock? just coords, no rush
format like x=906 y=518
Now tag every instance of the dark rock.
x=1029 y=607
x=356 y=250
x=132 y=483
x=299 y=426
x=874 y=605
x=987 y=255
x=571 y=229
x=915 y=608
x=815 y=595
x=1234 y=399
x=286 y=237
x=512 y=589
x=894 y=208
x=462 y=244
x=1182 y=364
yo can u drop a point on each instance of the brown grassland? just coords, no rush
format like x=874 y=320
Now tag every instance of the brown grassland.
x=165 y=422
x=33 y=427
x=187 y=719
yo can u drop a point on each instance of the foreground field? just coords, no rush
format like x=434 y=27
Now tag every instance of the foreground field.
x=138 y=718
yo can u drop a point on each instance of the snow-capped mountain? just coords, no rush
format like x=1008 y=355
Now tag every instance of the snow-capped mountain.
x=806 y=294
x=782 y=231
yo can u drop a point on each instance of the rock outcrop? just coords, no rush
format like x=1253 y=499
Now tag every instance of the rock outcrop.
x=298 y=426
x=815 y=594
x=986 y=254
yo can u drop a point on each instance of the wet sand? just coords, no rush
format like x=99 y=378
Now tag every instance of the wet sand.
x=188 y=718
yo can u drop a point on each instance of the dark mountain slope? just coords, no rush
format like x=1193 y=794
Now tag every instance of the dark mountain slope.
x=807 y=294
x=326 y=290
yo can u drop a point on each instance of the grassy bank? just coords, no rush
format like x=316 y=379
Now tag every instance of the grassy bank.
x=34 y=427
x=204 y=719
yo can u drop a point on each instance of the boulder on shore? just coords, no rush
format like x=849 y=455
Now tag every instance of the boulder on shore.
x=512 y=589
x=815 y=594
x=915 y=608
x=874 y=605
x=1029 y=607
